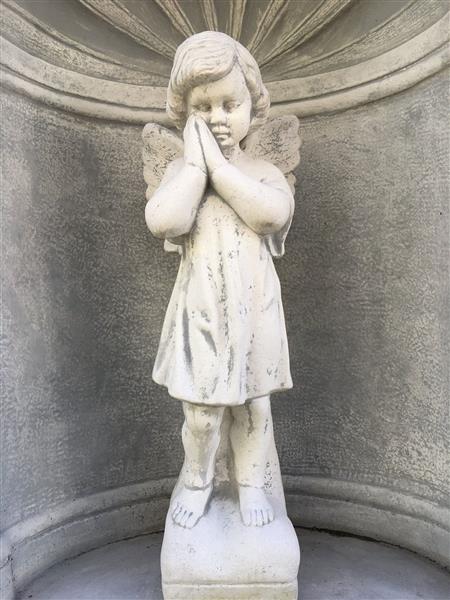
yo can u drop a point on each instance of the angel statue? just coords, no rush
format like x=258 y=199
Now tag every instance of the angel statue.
x=226 y=208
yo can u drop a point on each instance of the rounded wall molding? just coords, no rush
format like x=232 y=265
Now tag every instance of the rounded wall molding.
x=32 y=546
x=304 y=75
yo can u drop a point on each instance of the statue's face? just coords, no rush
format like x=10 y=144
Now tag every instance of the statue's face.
x=226 y=107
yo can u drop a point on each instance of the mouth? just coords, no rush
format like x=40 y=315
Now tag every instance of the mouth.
x=222 y=137
x=220 y=133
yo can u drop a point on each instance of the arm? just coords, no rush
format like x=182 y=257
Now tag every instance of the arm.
x=265 y=207
x=171 y=211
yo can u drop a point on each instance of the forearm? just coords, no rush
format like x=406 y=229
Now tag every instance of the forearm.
x=263 y=208
x=171 y=211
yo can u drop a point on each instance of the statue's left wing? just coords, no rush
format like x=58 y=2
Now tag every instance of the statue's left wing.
x=278 y=142
x=161 y=147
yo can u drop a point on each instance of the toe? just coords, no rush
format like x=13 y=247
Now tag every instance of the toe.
x=190 y=521
x=183 y=518
x=247 y=517
x=259 y=518
x=255 y=517
x=268 y=517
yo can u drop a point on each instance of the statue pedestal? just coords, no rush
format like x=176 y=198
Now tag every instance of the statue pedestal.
x=221 y=558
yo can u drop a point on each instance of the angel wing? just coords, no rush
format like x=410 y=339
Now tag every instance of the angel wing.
x=161 y=146
x=278 y=142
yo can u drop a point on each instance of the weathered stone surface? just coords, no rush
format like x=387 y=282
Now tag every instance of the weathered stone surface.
x=223 y=349
x=84 y=294
x=365 y=296
x=368 y=297
x=222 y=558
x=113 y=61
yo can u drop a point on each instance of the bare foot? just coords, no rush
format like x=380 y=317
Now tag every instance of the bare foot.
x=189 y=505
x=256 y=510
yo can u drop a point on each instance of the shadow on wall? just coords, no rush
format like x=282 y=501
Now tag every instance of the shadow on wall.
x=86 y=309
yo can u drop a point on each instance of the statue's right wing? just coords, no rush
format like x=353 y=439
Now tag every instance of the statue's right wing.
x=161 y=147
x=278 y=142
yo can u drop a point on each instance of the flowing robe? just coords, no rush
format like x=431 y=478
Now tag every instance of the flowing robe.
x=224 y=337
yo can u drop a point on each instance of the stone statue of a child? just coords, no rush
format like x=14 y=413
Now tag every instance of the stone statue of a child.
x=223 y=342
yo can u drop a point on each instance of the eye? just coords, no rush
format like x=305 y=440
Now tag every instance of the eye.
x=229 y=106
x=203 y=107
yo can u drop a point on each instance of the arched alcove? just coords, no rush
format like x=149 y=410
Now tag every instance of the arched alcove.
x=91 y=444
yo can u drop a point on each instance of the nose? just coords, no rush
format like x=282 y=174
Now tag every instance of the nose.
x=218 y=116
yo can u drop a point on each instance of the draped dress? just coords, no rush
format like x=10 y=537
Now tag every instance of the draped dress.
x=224 y=339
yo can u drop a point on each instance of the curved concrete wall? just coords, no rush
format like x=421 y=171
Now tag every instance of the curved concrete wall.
x=91 y=444
x=366 y=287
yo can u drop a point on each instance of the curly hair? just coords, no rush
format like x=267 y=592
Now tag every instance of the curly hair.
x=209 y=56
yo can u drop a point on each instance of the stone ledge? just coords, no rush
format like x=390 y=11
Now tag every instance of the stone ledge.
x=256 y=591
x=33 y=545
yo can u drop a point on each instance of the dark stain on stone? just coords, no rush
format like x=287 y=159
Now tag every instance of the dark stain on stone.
x=251 y=425
x=230 y=363
x=269 y=305
x=209 y=339
x=186 y=345
x=223 y=296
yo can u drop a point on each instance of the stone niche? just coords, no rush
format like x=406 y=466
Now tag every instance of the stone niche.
x=91 y=446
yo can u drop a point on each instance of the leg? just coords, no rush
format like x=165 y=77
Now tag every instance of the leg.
x=250 y=437
x=201 y=437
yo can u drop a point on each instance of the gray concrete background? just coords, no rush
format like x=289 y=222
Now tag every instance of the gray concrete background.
x=365 y=288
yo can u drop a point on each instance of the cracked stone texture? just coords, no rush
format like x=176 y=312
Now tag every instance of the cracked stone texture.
x=365 y=289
